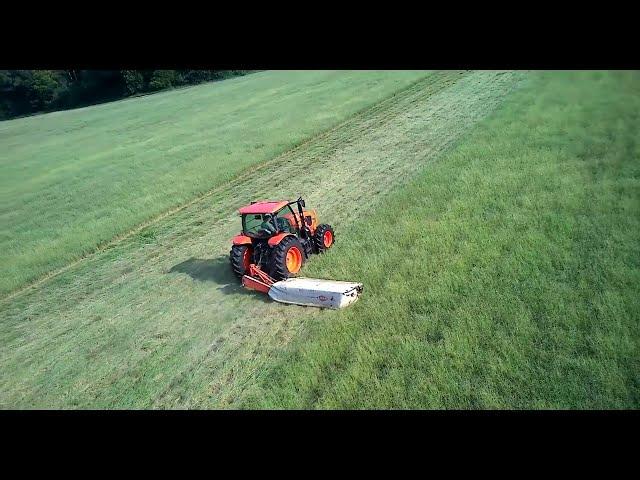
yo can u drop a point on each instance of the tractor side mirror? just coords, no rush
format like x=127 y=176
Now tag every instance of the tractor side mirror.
x=302 y=203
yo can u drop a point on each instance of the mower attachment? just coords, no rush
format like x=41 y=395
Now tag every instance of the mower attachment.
x=309 y=292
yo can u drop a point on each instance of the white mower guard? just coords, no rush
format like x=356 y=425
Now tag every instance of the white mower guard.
x=310 y=292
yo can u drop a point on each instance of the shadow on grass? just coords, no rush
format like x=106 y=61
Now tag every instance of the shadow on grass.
x=215 y=270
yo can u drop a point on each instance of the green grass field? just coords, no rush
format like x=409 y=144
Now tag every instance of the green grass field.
x=492 y=216
x=73 y=180
x=505 y=276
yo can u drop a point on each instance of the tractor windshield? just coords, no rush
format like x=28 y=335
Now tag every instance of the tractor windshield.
x=258 y=225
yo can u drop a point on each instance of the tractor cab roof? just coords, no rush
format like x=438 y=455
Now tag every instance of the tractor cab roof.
x=266 y=206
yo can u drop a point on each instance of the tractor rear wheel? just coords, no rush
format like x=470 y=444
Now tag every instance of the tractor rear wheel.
x=323 y=238
x=240 y=258
x=287 y=259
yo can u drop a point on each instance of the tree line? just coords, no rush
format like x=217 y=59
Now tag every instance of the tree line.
x=23 y=92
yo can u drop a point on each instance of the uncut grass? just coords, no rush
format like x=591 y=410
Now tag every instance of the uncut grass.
x=73 y=180
x=505 y=276
x=158 y=321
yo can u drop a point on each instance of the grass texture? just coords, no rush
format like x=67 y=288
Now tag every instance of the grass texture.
x=505 y=276
x=492 y=217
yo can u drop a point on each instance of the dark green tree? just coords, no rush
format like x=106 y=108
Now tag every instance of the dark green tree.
x=133 y=80
x=28 y=91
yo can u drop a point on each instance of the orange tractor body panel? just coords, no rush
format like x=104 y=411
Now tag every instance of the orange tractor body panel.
x=310 y=217
x=275 y=240
x=241 y=240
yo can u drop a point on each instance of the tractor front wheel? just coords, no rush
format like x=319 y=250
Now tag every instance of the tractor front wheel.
x=240 y=258
x=287 y=259
x=323 y=238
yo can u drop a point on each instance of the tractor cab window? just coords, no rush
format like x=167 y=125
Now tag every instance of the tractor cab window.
x=258 y=225
x=283 y=220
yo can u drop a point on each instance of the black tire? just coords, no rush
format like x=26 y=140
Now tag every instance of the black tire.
x=318 y=237
x=237 y=259
x=279 y=270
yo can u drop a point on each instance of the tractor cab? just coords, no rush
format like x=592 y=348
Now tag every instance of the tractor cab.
x=265 y=225
x=265 y=219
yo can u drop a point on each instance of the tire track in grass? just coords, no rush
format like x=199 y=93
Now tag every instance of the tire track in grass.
x=158 y=321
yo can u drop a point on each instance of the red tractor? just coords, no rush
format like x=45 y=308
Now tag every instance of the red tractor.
x=277 y=237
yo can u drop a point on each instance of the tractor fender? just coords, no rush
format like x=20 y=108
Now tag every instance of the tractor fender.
x=276 y=239
x=241 y=240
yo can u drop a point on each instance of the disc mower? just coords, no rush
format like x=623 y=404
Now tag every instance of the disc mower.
x=276 y=239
